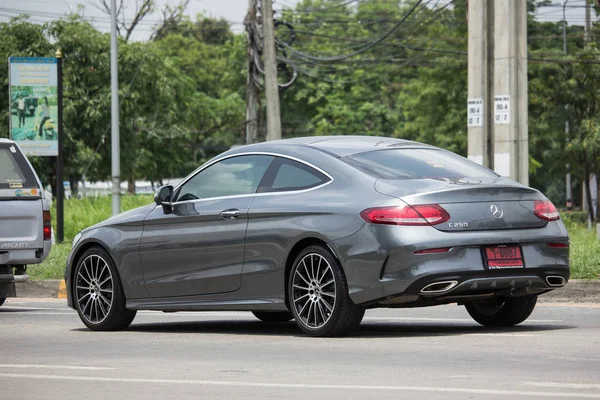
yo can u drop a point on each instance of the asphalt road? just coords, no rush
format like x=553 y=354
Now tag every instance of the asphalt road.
x=429 y=353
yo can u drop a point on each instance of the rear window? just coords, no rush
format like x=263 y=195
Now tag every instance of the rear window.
x=15 y=172
x=416 y=163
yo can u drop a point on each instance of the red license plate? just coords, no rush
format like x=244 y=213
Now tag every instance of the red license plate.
x=504 y=257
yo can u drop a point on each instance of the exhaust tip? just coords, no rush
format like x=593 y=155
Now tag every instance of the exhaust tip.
x=439 y=287
x=555 y=280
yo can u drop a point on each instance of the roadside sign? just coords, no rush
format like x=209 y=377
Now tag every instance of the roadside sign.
x=475 y=112
x=502 y=110
x=33 y=104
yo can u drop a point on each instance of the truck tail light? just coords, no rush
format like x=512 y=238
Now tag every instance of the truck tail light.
x=47 y=226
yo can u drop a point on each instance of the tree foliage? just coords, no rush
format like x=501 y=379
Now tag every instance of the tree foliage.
x=374 y=67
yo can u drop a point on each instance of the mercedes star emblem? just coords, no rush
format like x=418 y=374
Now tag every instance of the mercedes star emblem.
x=496 y=211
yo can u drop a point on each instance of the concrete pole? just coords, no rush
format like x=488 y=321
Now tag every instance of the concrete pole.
x=588 y=21
x=251 y=89
x=511 y=147
x=271 y=87
x=115 y=136
x=480 y=77
x=569 y=186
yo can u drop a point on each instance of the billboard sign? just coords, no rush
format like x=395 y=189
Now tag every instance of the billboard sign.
x=34 y=104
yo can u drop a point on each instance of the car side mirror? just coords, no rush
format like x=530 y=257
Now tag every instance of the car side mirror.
x=164 y=198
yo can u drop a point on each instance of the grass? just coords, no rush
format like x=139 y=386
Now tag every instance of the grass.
x=79 y=214
x=585 y=251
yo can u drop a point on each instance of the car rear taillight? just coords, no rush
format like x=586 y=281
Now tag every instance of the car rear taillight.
x=429 y=214
x=544 y=209
x=47 y=225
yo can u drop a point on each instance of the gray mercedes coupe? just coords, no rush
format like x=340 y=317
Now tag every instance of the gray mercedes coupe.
x=318 y=230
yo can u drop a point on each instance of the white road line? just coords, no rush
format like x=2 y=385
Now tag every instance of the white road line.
x=576 y=305
x=73 y=367
x=448 y=319
x=9 y=306
x=569 y=395
x=502 y=334
x=564 y=385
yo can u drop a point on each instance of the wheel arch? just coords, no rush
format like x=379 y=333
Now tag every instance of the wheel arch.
x=77 y=256
x=300 y=245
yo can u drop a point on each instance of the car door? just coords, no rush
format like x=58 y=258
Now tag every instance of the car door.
x=198 y=248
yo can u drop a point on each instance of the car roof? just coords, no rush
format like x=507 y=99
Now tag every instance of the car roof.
x=338 y=146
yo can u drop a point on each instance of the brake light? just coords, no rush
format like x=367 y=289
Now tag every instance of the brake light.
x=544 y=209
x=430 y=214
x=47 y=226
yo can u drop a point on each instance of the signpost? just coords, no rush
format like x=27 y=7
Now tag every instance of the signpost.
x=35 y=123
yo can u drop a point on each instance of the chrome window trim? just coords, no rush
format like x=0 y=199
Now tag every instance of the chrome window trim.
x=252 y=153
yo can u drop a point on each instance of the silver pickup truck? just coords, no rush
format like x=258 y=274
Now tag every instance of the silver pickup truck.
x=25 y=226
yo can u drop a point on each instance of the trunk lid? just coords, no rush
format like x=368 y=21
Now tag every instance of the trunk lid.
x=473 y=204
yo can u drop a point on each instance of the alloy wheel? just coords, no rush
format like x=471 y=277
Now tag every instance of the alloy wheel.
x=94 y=289
x=314 y=290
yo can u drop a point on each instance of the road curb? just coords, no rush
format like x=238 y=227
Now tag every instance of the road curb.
x=576 y=290
x=51 y=288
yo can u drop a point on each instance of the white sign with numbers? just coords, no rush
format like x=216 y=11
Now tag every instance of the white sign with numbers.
x=475 y=112
x=502 y=110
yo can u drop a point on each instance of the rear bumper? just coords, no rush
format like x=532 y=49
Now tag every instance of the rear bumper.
x=466 y=286
x=25 y=256
x=381 y=265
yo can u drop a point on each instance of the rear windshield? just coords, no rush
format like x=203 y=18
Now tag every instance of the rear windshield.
x=15 y=172
x=416 y=163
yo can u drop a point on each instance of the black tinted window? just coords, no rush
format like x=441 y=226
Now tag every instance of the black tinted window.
x=230 y=177
x=416 y=163
x=288 y=175
x=15 y=172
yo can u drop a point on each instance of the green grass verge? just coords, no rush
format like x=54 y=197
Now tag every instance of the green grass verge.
x=54 y=266
x=79 y=214
x=585 y=251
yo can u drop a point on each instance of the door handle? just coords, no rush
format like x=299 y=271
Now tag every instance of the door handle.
x=230 y=214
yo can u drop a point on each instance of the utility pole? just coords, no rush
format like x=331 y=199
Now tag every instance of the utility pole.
x=569 y=186
x=251 y=88
x=511 y=147
x=115 y=136
x=588 y=21
x=271 y=87
x=60 y=186
x=480 y=105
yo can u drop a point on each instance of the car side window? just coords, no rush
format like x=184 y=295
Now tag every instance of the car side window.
x=289 y=175
x=230 y=177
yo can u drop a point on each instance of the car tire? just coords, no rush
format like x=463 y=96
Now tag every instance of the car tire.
x=2 y=300
x=98 y=294
x=318 y=295
x=502 y=312
x=277 y=316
